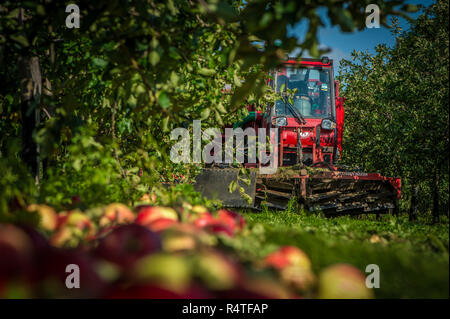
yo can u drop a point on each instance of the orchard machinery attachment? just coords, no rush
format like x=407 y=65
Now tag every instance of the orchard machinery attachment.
x=309 y=117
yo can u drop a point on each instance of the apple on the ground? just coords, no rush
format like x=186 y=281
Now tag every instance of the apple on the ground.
x=116 y=213
x=217 y=271
x=128 y=243
x=15 y=251
x=170 y=271
x=49 y=219
x=161 y=224
x=148 y=214
x=287 y=256
x=343 y=281
x=232 y=219
x=218 y=228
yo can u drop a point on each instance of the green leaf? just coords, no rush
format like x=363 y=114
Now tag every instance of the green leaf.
x=154 y=57
x=172 y=8
x=265 y=20
x=20 y=39
x=205 y=114
x=246 y=181
x=232 y=186
x=154 y=43
x=40 y=10
x=77 y=164
x=221 y=108
x=165 y=124
x=207 y=72
x=99 y=62
x=236 y=80
x=163 y=100
x=218 y=118
x=224 y=10
x=174 y=78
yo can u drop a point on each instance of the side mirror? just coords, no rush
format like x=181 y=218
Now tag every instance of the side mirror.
x=328 y=124
x=279 y=121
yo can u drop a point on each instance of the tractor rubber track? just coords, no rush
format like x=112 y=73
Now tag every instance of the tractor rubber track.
x=333 y=193
x=330 y=196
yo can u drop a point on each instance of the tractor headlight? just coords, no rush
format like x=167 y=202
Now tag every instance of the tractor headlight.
x=279 y=121
x=328 y=124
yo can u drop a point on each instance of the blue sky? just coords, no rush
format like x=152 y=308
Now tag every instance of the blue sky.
x=342 y=44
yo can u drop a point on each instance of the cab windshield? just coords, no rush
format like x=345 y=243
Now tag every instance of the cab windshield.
x=312 y=91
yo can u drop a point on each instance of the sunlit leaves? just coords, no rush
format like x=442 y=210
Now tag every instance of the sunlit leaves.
x=397 y=107
x=154 y=57
x=133 y=72
x=163 y=100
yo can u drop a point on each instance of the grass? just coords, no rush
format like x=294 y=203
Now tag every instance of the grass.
x=412 y=257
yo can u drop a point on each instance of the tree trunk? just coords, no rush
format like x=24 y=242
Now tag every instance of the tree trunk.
x=413 y=202
x=31 y=89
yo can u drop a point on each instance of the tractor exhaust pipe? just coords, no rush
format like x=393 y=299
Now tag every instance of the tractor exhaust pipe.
x=299 y=147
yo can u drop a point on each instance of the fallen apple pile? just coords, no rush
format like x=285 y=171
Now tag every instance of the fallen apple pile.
x=155 y=252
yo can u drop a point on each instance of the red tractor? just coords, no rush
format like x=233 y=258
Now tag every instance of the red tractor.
x=309 y=116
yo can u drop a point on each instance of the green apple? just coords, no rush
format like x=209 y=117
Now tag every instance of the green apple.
x=168 y=270
x=49 y=219
x=343 y=281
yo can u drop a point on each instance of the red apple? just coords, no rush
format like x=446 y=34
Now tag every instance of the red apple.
x=116 y=213
x=105 y=231
x=15 y=251
x=73 y=227
x=147 y=214
x=288 y=256
x=62 y=237
x=77 y=219
x=39 y=242
x=126 y=244
x=48 y=218
x=219 y=228
x=193 y=213
x=62 y=218
x=161 y=224
x=231 y=219
x=342 y=281
x=204 y=220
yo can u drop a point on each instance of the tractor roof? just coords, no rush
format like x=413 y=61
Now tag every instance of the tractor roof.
x=324 y=62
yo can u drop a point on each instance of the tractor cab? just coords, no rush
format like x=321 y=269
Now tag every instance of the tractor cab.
x=309 y=89
x=305 y=113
